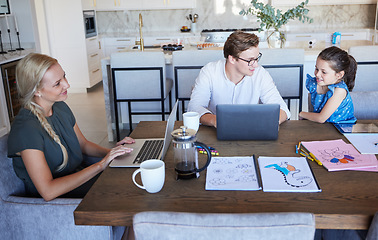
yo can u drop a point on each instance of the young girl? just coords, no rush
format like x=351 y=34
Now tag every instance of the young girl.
x=335 y=73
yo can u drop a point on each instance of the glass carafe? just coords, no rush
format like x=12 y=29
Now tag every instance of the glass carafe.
x=185 y=154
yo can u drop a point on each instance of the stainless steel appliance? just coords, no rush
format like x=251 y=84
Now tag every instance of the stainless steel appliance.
x=221 y=35
x=90 y=23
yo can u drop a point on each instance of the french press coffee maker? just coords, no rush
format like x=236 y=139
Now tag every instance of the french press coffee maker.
x=185 y=154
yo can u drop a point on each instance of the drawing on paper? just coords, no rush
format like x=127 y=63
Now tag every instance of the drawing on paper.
x=291 y=174
x=232 y=173
x=337 y=156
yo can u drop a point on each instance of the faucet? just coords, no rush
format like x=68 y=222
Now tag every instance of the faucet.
x=140 y=42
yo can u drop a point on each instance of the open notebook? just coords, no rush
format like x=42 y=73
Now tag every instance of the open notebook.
x=153 y=148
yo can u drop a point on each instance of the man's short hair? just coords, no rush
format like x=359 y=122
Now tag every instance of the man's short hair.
x=238 y=42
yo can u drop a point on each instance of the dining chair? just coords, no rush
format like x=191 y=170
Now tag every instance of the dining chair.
x=285 y=65
x=367 y=69
x=201 y=226
x=186 y=66
x=365 y=104
x=26 y=217
x=139 y=77
x=373 y=229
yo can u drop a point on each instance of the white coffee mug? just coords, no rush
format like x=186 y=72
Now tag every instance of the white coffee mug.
x=152 y=175
x=191 y=120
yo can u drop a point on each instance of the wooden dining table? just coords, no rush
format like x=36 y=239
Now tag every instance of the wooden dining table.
x=348 y=200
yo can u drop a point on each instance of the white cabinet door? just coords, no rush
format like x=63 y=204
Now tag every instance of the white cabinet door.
x=321 y=2
x=113 y=45
x=88 y=4
x=169 y=4
x=180 y=4
x=111 y=5
x=108 y=4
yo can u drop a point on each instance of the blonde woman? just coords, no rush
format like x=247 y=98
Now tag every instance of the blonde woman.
x=45 y=142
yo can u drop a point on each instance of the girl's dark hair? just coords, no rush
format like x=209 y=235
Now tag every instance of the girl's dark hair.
x=339 y=60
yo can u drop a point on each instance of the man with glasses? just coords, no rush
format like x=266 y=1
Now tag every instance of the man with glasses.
x=237 y=79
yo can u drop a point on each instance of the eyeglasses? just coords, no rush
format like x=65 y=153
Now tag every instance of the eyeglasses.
x=252 y=61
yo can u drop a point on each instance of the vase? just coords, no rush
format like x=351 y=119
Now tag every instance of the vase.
x=275 y=39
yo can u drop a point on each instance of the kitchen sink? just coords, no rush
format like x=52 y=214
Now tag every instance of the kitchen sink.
x=148 y=46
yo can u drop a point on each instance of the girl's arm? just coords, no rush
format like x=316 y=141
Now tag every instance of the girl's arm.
x=329 y=108
x=50 y=188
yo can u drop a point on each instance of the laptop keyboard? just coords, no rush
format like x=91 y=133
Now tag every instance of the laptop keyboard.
x=150 y=150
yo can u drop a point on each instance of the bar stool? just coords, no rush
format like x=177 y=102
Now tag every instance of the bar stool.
x=286 y=68
x=139 y=77
x=367 y=70
x=186 y=67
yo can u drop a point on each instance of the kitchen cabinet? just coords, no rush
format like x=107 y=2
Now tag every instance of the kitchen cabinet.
x=321 y=2
x=169 y=4
x=67 y=43
x=88 y=4
x=113 y=45
x=112 y=5
x=94 y=56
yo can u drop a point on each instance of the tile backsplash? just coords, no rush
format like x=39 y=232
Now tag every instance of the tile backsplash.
x=225 y=14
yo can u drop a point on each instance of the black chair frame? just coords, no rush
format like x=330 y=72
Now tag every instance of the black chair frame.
x=300 y=93
x=182 y=100
x=129 y=101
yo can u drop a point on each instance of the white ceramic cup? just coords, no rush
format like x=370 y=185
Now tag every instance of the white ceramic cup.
x=191 y=120
x=152 y=175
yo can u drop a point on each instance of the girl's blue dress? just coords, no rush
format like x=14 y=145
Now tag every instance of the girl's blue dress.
x=344 y=113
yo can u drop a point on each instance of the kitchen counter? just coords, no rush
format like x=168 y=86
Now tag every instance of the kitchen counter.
x=13 y=56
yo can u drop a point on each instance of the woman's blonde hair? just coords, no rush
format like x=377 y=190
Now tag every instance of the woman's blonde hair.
x=29 y=73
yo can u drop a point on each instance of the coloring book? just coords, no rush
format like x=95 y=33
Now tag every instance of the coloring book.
x=232 y=173
x=337 y=155
x=287 y=174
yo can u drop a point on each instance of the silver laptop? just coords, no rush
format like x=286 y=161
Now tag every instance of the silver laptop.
x=247 y=121
x=152 y=148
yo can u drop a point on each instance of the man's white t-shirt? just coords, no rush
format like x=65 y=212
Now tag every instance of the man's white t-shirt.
x=212 y=87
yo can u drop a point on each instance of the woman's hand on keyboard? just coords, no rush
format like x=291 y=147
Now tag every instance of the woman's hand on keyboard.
x=126 y=140
x=113 y=153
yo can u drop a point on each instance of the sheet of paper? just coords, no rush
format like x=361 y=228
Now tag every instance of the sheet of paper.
x=337 y=155
x=287 y=174
x=364 y=142
x=232 y=173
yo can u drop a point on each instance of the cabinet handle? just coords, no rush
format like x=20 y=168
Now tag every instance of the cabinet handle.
x=123 y=40
x=303 y=36
x=96 y=70
x=121 y=47
x=99 y=45
x=94 y=55
x=163 y=39
x=347 y=35
x=92 y=39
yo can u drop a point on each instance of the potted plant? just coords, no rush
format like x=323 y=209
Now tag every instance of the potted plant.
x=272 y=20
